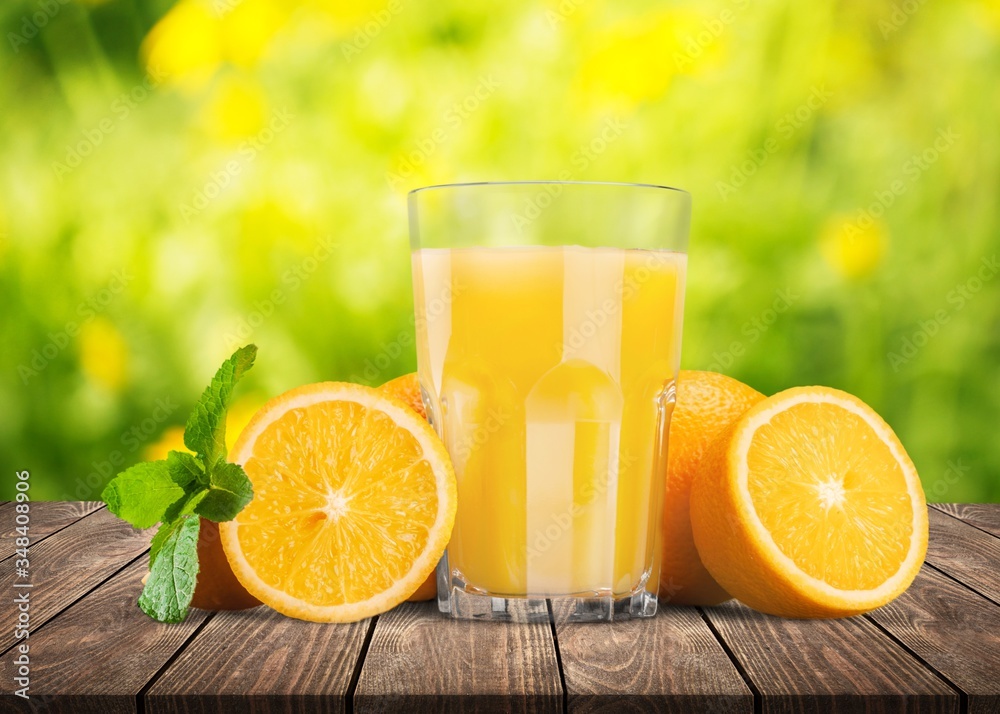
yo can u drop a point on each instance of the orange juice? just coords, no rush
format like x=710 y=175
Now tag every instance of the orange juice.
x=550 y=373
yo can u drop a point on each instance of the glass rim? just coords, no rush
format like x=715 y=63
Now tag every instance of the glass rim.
x=619 y=184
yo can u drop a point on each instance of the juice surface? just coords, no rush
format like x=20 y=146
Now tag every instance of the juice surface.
x=550 y=373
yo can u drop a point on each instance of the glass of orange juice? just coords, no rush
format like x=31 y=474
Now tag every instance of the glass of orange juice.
x=548 y=320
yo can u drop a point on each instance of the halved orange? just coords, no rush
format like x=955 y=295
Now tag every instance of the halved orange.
x=808 y=506
x=354 y=502
x=407 y=389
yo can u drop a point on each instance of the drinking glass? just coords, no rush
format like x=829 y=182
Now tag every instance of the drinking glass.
x=548 y=321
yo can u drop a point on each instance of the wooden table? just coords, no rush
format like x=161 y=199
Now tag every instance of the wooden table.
x=935 y=649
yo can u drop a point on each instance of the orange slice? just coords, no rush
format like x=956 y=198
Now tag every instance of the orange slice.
x=808 y=506
x=354 y=502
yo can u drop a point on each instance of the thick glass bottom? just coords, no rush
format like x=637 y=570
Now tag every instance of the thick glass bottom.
x=455 y=600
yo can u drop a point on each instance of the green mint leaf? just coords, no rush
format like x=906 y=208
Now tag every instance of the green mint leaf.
x=173 y=571
x=205 y=432
x=185 y=469
x=183 y=507
x=229 y=490
x=187 y=505
x=142 y=494
x=162 y=533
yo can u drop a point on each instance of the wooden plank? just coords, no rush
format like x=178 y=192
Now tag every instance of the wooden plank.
x=670 y=663
x=966 y=553
x=45 y=518
x=97 y=656
x=68 y=564
x=260 y=660
x=422 y=661
x=952 y=629
x=984 y=516
x=819 y=665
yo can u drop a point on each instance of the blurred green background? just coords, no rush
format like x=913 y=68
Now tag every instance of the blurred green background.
x=180 y=179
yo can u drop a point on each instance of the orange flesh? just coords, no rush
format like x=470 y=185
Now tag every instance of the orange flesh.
x=324 y=497
x=832 y=495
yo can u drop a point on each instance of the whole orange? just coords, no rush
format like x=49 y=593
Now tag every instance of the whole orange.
x=707 y=404
x=217 y=587
x=407 y=390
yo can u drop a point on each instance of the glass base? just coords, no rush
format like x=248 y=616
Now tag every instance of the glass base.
x=458 y=602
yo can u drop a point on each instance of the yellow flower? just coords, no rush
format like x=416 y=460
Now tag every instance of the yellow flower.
x=248 y=29
x=636 y=60
x=237 y=109
x=854 y=246
x=185 y=45
x=631 y=62
x=103 y=353
x=195 y=37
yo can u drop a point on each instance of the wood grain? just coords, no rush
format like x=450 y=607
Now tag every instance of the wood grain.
x=46 y=518
x=421 y=661
x=965 y=553
x=260 y=660
x=96 y=657
x=92 y=650
x=68 y=564
x=952 y=629
x=828 y=665
x=670 y=663
x=985 y=516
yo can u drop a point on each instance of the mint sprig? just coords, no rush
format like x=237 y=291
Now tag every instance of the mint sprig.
x=178 y=491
